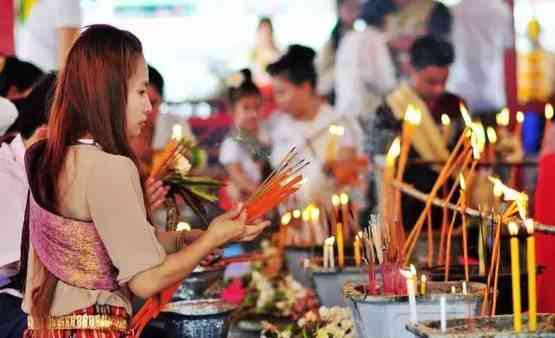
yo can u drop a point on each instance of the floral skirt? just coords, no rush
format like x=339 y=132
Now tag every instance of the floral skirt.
x=112 y=311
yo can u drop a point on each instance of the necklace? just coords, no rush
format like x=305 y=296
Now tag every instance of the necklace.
x=90 y=142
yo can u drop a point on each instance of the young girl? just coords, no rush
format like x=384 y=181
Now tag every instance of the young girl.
x=91 y=244
x=244 y=151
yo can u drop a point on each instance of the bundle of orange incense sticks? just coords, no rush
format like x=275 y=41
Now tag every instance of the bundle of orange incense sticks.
x=280 y=184
x=170 y=155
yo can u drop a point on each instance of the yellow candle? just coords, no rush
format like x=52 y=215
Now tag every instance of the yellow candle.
x=335 y=132
x=357 y=251
x=515 y=273
x=423 y=285
x=340 y=246
x=345 y=210
x=531 y=264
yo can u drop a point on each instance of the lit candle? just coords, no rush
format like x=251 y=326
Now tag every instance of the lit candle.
x=285 y=220
x=297 y=213
x=531 y=264
x=445 y=127
x=443 y=313
x=519 y=122
x=335 y=202
x=464 y=234
x=515 y=272
x=411 y=121
x=411 y=291
x=325 y=254
x=423 y=285
x=453 y=290
x=386 y=207
x=344 y=198
x=548 y=115
x=503 y=118
x=340 y=246
x=335 y=132
x=357 y=247
x=492 y=139
x=331 y=254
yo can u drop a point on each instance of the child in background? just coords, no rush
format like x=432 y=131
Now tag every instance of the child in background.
x=244 y=151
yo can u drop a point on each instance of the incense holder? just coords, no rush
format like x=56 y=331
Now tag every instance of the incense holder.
x=296 y=258
x=494 y=327
x=329 y=282
x=385 y=316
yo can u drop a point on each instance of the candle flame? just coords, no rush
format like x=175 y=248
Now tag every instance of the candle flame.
x=465 y=115
x=183 y=226
x=462 y=182
x=395 y=148
x=286 y=218
x=492 y=135
x=314 y=213
x=344 y=199
x=423 y=279
x=445 y=120
x=529 y=224
x=520 y=117
x=335 y=200
x=306 y=215
x=503 y=118
x=177 y=132
x=336 y=130
x=296 y=213
x=513 y=228
x=549 y=112
x=413 y=116
x=477 y=139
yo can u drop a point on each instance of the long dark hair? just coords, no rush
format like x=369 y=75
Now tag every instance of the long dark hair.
x=90 y=98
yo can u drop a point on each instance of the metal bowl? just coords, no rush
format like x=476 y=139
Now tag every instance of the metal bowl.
x=207 y=318
x=199 y=280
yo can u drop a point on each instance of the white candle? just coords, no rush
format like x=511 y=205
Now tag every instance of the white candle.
x=464 y=289
x=411 y=291
x=325 y=256
x=443 y=313
x=453 y=290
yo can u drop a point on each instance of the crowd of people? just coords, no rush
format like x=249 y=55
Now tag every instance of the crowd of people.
x=80 y=127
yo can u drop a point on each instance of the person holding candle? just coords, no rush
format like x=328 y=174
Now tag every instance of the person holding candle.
x=425 y=92
x=90 y=181
x=304 y=121
x=244 y=151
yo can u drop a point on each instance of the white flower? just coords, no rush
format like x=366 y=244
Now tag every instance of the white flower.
x=183 y=165
x=324 y=313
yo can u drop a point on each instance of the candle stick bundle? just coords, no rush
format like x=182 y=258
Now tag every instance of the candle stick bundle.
x=172 y=153
x=518 y=206
x=469 y=146
x=278 y=186
x=411 y=121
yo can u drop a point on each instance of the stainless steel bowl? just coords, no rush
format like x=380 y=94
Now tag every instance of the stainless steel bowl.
x=207 y=318
x=198 y=281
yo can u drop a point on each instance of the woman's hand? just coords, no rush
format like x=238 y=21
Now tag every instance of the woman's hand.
x=232 y=226
x=156 y=192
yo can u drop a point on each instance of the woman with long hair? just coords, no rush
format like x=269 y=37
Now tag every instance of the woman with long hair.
x=91 y=245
